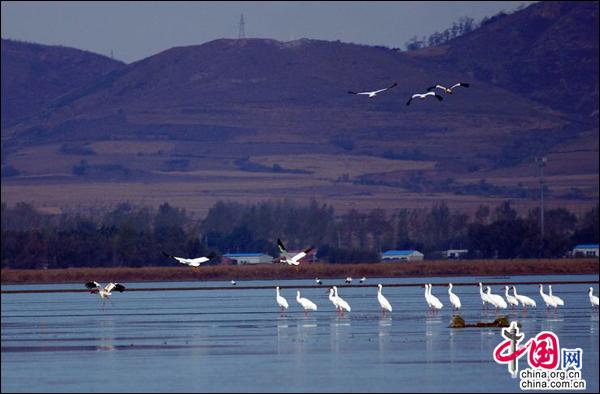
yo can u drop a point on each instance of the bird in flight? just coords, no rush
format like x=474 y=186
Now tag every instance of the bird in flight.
x=95 y=288
x=295 y=260
x=423 y=96
x=450 y=89
x=374 y=92
x=191 y=262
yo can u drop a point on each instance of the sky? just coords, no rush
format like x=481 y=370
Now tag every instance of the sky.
x=131 y=31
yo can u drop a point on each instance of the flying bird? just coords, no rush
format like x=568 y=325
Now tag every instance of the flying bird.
x=423 y=96
x=374 y=92
x=448 y=90
x=191 y=262
x=95 y=288
x=295 y=260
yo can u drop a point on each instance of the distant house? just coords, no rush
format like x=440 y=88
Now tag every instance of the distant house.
x=249 y=258
x=402 y=255
x=586 y=250
x=455 y=253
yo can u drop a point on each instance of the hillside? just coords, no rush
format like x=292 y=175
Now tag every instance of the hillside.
x=547 y=52
x=254 y=119
x=34 y=75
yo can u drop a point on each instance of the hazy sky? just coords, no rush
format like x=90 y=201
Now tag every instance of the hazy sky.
x=135 y=30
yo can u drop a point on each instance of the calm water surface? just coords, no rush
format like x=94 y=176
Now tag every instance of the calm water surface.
x=237 y=340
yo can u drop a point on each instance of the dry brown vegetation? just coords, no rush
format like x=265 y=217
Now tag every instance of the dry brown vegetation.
x=309 y=271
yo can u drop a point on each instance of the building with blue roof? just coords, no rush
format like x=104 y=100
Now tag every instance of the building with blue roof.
x=249 y=258
x=402 y=255
x=585 y=250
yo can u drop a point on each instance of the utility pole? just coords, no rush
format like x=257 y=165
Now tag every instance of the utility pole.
x=541 y=162
x=241 y=30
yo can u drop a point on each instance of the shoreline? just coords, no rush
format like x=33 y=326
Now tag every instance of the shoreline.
x=426 y=268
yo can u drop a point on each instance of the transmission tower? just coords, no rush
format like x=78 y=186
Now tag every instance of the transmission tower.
x=242 y=31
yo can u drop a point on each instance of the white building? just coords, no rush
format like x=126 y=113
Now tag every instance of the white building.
x=587 y=250
x=455 y=253
x=402 y=255
x=249 y=258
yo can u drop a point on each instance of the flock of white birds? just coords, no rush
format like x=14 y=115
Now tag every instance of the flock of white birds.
x=434 y=302
x=342 y=306
x=430 y=91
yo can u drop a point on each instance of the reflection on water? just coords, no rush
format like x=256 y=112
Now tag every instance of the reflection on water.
x=184 y=341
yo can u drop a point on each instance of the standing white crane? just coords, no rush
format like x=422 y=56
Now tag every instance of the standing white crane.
x=484 y=297
x=423 y=96
x=524 y=300
x=105 y=292
x=495 y=299
x=307 y=304
x=549 y=301
x=333 y=300
x=373 y=93
x=282 y=302
x=436 y=304
x=557 y=299
x=294 y=260
x=342 y=304
x=593 y=298
x=454 y=300
x=383 y=302
x=510 y=299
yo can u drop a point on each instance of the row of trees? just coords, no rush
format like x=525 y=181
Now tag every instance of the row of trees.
x=134 y=236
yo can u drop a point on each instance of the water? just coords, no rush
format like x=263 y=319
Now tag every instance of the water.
x=237 y=340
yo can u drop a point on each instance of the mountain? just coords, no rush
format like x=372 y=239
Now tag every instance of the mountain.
x=547 y=52
x=257 y=118
x=34 y=75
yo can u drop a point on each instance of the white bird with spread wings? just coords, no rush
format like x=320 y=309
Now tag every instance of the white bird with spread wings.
x=287 y=258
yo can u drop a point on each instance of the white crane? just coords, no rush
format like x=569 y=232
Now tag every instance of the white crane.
x=510 y=299
x=348 y=280
x=191 y=262
x=424 y=96
x=342 y=304
x=295 y=260
x=307 y=304
x=333 y=300
x=383 y=302
x=427 y=299
x=524 y=300
x=233 y=282
x=363 y=279
x=448 y=90
x=105 y=292
x=435 y=302
x=454 y=300
x=593 y=298
x=557 y=299
x=549 y=301
x=374 y=92
x=318 y=281
x=484 y=297
x=495 y=299
x=282 y=302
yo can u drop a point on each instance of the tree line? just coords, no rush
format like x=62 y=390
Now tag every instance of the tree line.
x=130 y=235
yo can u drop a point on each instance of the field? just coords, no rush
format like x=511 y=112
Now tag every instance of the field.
x=309 y=271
